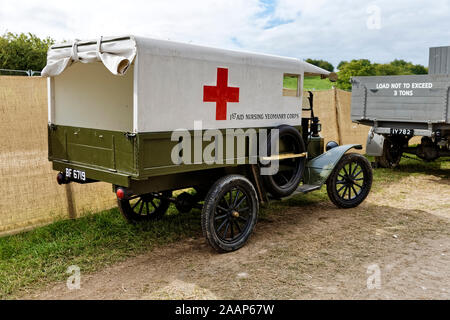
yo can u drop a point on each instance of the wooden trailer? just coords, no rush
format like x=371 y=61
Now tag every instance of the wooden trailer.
x=134 y=112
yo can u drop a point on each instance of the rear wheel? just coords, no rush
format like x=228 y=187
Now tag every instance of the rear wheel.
x=230 y=213
x=392 y=154
x=350 y=182
x=149 y=206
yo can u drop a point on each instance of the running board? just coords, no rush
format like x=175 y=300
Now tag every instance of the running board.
x=306 y=188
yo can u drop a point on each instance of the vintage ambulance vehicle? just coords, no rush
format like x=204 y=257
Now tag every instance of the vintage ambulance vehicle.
x=124 y=110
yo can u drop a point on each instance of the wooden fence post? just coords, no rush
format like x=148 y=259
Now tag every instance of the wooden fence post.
x=336 y=110
x=70 y=202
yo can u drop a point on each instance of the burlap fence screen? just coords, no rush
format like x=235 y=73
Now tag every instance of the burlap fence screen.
x=30 y=195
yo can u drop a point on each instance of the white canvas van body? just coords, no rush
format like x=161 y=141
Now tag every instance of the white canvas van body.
x=164 y=87
x=114 y=102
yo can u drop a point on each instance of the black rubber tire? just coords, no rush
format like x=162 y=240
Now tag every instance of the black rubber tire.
x=218 y=213
x=337 y=182
x=391 y=157
x=147 y=206
x=272 y=183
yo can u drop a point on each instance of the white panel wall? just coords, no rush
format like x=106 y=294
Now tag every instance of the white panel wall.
x=170 y=93
x=89 y=96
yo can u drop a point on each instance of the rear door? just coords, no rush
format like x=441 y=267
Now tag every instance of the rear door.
x=93 y=148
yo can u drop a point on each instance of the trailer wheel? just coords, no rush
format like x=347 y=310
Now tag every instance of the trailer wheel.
x=350 y=182
x=287 y=180
x=392 y=154
x=230 y=213
x=149 y=206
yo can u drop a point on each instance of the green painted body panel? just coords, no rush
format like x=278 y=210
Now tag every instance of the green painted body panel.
x=120 y=158
x=94 y=150
x=315 y=147
x=319 y=169
x=143 y=161
x=98 y=174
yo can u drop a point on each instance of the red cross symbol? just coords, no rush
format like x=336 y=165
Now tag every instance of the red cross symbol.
x=221 y=94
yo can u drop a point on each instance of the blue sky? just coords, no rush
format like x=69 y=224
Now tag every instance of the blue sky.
x=380 y=30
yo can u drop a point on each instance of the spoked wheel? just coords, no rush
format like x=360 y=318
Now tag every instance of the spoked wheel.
x=350 y=182
x=230 y=213
x=287 y=179
x=145 y=207
x=392 y=154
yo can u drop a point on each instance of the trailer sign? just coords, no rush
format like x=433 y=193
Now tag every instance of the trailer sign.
x=403 y=89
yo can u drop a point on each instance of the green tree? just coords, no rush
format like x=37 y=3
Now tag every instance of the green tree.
x=387 y=69
x=362 y=67
x=321 y=64
x=409 y=68
x=23 y=51
x=341 y=64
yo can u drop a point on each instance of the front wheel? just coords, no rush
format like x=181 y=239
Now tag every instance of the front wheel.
x=230 y=213
x=350 y=182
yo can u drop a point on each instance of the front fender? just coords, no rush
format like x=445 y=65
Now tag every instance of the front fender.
x=375 y=143
x=319 y=169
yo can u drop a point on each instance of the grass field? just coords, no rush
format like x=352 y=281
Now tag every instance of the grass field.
x=33 y=259
x=316 y=83
x=310 y=83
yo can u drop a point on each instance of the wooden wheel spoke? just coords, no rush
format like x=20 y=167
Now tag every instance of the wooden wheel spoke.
x=225 y=198
x=137 y=202
x=232 y=230
x=220 y=217
x=354 y=190
x=241 y=201
x=226 y=229
x=222 y=208
x=242 y=219
x=345 y=191
x=238 y=227
x=154 y=205
x=345 y=170
x=222 y=225
x=354 y=170
x=236 y=198
x=356 y=175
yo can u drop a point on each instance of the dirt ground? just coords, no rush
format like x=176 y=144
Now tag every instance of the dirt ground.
x=401 y=233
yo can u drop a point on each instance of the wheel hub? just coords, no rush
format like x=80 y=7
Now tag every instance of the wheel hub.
x=235 y=214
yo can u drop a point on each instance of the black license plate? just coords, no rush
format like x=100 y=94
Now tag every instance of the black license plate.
x=402 y=132
x=74 y=174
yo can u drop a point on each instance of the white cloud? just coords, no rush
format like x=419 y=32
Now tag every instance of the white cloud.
x=333 y=30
